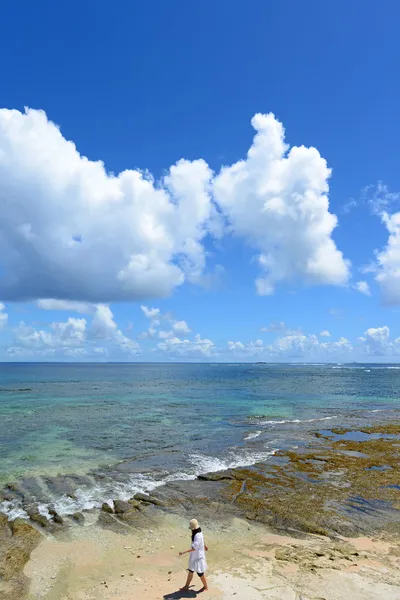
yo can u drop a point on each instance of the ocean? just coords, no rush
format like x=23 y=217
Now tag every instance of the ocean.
x=76 y=435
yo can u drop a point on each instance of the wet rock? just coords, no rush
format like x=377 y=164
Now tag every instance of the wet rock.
x=147 y=499
x=106 y=508
x=56 y=517
x=121 y=507
x=135 y=504
x=109 y=521
x=79 y=518
x=36 y=517
x=219 y=476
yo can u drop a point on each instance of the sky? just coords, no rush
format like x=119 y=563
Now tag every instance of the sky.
x=213 y=181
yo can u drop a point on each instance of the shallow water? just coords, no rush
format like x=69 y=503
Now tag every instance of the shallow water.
x=129 y=427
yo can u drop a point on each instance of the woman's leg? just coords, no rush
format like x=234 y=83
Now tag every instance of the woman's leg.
x=204 y=582
x=188 y=581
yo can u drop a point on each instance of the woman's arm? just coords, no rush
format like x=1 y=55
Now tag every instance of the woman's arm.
x=186 y=552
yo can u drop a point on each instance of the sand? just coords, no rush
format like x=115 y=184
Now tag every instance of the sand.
x=246 y=562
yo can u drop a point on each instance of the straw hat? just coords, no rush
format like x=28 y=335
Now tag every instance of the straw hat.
x=193 y=524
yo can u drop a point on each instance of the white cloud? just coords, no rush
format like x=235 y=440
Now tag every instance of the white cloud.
x=388 y=274
x=386 y=265
x=64 y=338
x=309 y=347
x=376 y=340
x=277 y=200
x=3 y=316
x=70 y=305
x=325 y=333
x=164 y=335
x=150 y=313
x=250 y=349
x=362 y=287
x=104 y=327
x=181 y=328
x=76 y=232
x=73 y=337
x=201 y=348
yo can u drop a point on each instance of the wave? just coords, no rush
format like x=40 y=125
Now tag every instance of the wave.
x=212 y=464
x=93 y=497
x=283 y=421
x=255 y=434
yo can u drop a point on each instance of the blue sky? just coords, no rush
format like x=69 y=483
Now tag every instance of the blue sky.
x=228 y=236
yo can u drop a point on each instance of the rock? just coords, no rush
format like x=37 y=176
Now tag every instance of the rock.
x=4 y=528
x=106 y=508
x=121 y=507
x=79 y=518
x=148 y=499
x=15 y=549
x=220 y=476
x=109 y=521
x=22 y=530
x=41 y=520
x=58 y=519
x=13 y=560
x=135 y=504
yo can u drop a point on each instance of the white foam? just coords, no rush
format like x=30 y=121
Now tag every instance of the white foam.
x=274 y=422
x=13 y=510
x=212 y=464
x=253 y=435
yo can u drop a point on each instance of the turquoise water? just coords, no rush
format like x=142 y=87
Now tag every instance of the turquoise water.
x=97 y=431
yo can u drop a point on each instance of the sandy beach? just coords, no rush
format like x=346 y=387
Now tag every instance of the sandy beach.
x=246 y=562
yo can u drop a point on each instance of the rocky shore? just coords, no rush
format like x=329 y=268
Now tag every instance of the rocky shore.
x=343 y=486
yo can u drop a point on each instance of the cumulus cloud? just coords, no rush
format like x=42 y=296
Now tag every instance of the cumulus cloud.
x=294 y=347
x=150 y=313
x=362 y=287
x=181 y=327
x=71 y=231
x=73 y=337
x=176 y=347
x=250 y=349
x=65 y=338
x=325 y=333
x=385 y=204
x=388 y=259
x=177 y=328
x=104 y=327
x=277 y=200
x=376 y=340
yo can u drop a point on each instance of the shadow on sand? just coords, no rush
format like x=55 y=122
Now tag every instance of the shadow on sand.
x=182 y=594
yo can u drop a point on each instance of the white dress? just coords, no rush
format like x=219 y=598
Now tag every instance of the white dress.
x=197 y=559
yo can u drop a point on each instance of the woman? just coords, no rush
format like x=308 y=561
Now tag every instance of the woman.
x=197 y=558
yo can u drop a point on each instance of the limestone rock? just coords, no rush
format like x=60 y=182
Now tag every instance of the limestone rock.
x=79 y=518
x=147 y=499
x=106 y=508
x=121 y=507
